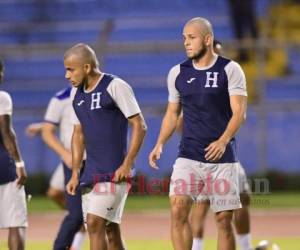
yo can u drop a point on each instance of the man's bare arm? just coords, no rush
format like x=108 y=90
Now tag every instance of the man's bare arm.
x=167 y=129
x=216 y=149
x=239 y=108
x=78 y=148
x=138 y=132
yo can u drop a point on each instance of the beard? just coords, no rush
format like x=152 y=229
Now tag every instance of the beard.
x=84 y=81
x=201 y=53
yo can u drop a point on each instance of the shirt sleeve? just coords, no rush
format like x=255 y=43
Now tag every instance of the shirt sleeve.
x=123 y=95
x=6 y=105
x=174 y=96
x=236 y=79
x=74 y=118
x=54 y=111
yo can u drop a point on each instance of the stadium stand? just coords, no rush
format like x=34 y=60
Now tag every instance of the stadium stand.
x=137 y=40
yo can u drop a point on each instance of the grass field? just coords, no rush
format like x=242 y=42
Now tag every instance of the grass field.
x=285 y=244
x=147 y=203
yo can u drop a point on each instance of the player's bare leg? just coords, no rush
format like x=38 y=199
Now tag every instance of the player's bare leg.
x=242 y=216
x=181 y=233
x=197 y=221
x=242 y=222
x=57 y=196
x=225 y=231
x=113 y=233
x=96 y=230
x=197 y=218
x=16 y=238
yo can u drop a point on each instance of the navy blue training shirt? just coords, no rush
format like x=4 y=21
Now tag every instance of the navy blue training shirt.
x=102 y=113
x=204 y=94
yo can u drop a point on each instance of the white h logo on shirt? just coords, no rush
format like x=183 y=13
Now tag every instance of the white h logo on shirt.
x=214 y=80
x=95 y=103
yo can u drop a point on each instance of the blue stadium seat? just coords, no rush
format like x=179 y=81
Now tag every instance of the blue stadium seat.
x=34 y=68
x=142 y=64
x=293 y=57
x=285 y=88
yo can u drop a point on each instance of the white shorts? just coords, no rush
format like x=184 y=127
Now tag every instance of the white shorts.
x=13 y=209
x=106 y=200
x=57 y=180
x=243 y=182
x=217 y=182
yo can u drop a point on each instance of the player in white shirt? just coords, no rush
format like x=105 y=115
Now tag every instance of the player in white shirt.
x=13 y=210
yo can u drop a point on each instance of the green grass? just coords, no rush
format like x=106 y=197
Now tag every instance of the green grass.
x=41 y=204
x=276 y=200
x=284 y=244
x=138 y=203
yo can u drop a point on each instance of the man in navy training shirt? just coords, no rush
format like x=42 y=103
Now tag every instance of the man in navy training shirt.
x=211 y=92
x=103 y=105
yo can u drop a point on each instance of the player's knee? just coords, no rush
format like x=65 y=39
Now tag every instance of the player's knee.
x=224 y=220
x=94 y=225
x=197 y=229
x=198 y=216
x=180 y=210
x=178 y=215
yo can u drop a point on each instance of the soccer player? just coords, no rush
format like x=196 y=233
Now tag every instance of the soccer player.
x=13 y=210
x=200 y=209
x=211 y=91
x=104 y=105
